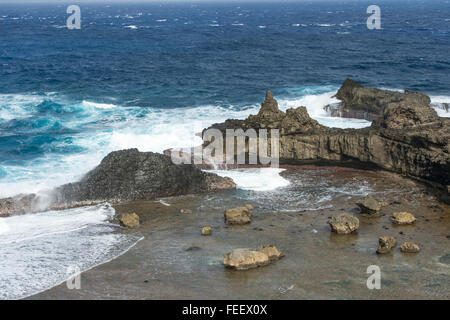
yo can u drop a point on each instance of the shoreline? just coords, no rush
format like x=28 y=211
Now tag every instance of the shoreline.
x=174 y=261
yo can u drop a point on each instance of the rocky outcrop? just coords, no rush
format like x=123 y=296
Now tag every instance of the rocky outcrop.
x=361 y=102
x=385 y=244
x=403 y=218
x=124 y=176
x=241 y=215
x=409 y=138
x=244 y=259
x=344 y=223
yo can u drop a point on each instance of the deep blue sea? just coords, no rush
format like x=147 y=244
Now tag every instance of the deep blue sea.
x=152 y=75
x=141 y=74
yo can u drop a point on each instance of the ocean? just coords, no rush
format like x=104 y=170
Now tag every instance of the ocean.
x=151 y=75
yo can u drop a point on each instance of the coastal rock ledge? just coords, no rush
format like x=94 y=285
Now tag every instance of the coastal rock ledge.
x=408 y=138
x=122 y=176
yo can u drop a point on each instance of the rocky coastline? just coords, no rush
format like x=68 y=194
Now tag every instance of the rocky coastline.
x=408 y=137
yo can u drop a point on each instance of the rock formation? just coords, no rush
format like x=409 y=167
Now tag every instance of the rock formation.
x=206 y=231
x=408 y=138
x=369 y=205
x=385 y=244
x=403 y=218
x=344 y=223
x=244 y=259
x=361 y=102
x=129 y=220
x=124 y=176
x=409 y=247
x=241 y=215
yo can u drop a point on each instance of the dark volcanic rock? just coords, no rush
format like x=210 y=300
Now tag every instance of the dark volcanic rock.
x=409 y=139
x=129 y=175
x=358 y=101
x=122 y=176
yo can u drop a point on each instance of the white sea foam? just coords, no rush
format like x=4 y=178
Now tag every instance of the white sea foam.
x=37 y=249
x=98 y=105
x=255 y=179
x=437 y=103
x=147 y=129
x=131 y=27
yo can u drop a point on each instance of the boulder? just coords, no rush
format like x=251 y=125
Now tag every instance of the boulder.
x=403 y=218
x=240 y=215
x=123 y=176
x=344 y=223
x=409 y=247
x=369 y=205
x=355 y=97
x=385 y=244
x=206 y=231
x=129 y=220
x=244 y=259
x=406 y=114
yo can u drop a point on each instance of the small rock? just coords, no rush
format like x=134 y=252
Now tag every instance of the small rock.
x=409 y=247
x=192 y=248
x=344 y=223
x=369 y=205
x=385 y=244
x=403 y=218
x=206 y=231
x=244 y=259
x=130 y=220
x=185 y=211
x=241 y=215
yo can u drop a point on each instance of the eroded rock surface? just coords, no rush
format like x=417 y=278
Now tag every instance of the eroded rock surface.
x=409 y=247
x=385 y=244
x=122 y=176
x=240 y=215
x=409 y=138
x=403 y=218
x=244 y=259
x=129 y=220
x=369 y=205
x=361 y=102
x=344 y=223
